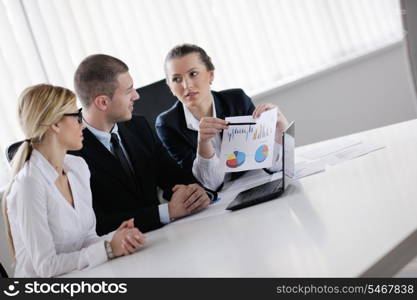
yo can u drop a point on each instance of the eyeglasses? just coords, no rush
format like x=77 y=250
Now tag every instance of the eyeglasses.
x=78 y=114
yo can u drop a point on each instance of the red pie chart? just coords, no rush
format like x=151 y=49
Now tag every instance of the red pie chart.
x=235 y=159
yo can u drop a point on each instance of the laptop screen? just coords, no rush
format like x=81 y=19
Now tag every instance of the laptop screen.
x=289 y=154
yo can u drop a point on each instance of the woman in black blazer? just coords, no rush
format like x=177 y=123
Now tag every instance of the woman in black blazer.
x=191 y=129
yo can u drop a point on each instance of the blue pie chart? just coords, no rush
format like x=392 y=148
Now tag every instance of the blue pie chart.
x=261 y=153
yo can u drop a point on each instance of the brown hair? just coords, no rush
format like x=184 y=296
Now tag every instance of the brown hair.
x=184 y=49
x=97 y=75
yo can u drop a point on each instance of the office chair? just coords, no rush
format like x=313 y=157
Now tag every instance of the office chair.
x=3 y=273
x=11 y=150
x=154 y=99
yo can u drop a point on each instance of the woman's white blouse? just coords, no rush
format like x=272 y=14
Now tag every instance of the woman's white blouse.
x=50 y=236
x=207 y=170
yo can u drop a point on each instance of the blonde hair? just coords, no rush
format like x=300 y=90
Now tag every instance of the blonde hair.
x=39 y=107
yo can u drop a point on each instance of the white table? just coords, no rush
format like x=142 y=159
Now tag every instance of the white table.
x=358 y=218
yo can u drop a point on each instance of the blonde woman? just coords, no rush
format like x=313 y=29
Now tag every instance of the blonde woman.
x=48 y=210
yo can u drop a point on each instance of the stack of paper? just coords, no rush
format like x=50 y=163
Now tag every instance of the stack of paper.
x=327 y=148
x=350 y=153
x=307 y=168
x=330 y=153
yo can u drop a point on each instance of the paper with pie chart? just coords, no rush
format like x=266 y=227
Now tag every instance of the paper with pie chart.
x=248 y=147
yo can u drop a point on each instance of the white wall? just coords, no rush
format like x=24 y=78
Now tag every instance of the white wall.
x=370 y=92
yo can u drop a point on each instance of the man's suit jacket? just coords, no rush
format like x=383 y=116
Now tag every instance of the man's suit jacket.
x=115 y=198
x=180 y=141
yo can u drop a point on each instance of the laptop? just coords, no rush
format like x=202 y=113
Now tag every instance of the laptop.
x=273 y=189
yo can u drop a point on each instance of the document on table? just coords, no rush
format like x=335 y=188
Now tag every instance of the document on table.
x=254 y=178
x=351 y=153
x=249 y=147
x=215 y=209
x=329 y=147
x=307 y=168
x=230 y=191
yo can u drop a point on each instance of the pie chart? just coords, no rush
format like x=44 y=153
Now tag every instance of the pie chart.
x=261 y=153
x=235 y=159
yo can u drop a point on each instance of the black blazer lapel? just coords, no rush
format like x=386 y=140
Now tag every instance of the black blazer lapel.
x=94 y=150
x=221 y=113
x=190 y=135
x=135 y=149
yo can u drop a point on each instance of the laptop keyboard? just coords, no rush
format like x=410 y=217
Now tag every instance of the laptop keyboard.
x=261 y=191
x=265 y=192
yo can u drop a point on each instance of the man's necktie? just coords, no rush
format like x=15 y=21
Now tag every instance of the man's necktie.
x=118 y=152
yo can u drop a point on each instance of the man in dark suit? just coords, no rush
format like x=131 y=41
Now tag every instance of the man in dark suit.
x=127 y=162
